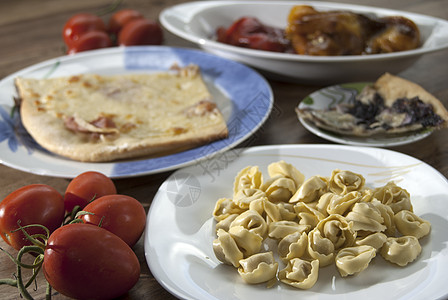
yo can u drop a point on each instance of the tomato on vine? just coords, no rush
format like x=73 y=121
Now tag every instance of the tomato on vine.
x=140 y=32
x=80 y=24
x=119 y=19
x=120 y=214
x=89 y=41
x=126 y=27
x=86 y=187
x=32 y=204
x=83 y=261
x=89 y=258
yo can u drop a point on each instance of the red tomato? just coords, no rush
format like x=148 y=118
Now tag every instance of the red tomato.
x=89 y=41
x=119 y=214
x=79 y=24
x=140 y=32
x=82 y=261
x=251 y=33
x=86 y=187
x=121 y=18
x=31 y=204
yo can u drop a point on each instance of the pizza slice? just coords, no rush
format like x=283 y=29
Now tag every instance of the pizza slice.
x=93 y=118
x=391 y=105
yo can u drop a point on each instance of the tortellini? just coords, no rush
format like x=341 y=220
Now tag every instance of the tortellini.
x=300 y=273
x=330 y=235
x=320 y=248
x=341 y=204
x=284 y=169
x=226 y=249
x=343 y=182
x=225 y=223
x=311 y=223
x=308 y=215
x=279 y=212
x=248 y=178
x=394 y=196
x=409 y=223
x=279 y=189
x=280 y=229
x=293 y=245
x=375 y=240
x=244 y=197
x=310 y=190
x=252 y=221
x=352 y=260
x=258 y=268
x=366 y=217
x=401 y=250
x=338 y=230
x=284 y=181
x=225 y=207
x=248 y=241
x=388 y=216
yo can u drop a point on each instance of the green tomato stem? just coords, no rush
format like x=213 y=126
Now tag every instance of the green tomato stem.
x=34 y=239
x=22 y=288
x=8 y=281
x=48 y=292
x=39 y=242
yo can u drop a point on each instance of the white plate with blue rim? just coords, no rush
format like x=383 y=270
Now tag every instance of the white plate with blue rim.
x=333 y=95
x=181 y=229
x=234 y=87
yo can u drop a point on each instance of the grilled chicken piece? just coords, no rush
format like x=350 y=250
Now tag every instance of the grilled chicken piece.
x=315 y=32
x=400 y=34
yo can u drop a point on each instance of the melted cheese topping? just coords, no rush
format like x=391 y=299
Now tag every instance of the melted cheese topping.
x=141 y=105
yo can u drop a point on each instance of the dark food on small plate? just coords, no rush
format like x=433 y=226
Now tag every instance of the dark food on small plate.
x=391 y=105
x=329 y=33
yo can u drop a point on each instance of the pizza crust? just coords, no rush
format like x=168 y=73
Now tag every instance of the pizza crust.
x=393 y=87
x=152 y=114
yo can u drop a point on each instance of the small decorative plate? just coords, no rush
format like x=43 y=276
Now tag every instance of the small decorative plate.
x=344 y=93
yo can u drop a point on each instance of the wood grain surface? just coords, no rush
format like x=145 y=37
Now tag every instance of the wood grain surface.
x=30 y=32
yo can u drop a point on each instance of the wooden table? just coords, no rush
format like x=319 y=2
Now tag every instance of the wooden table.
x=30 y=32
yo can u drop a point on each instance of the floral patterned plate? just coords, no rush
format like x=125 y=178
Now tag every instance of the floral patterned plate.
x=344 y=93
x=223 y=77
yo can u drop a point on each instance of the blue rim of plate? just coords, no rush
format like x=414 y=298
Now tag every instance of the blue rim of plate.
x=344 y=93
x=250 y=95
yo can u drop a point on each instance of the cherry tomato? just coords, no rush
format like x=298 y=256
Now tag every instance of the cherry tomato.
x=119 y=214
x=89 y=41
x=83 y=261
x=140 y=32
x=121 y=18
x=86 y=187
x=31 y=204
x=79 y=24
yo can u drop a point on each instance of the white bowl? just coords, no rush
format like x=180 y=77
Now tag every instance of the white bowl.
x=197 y=22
